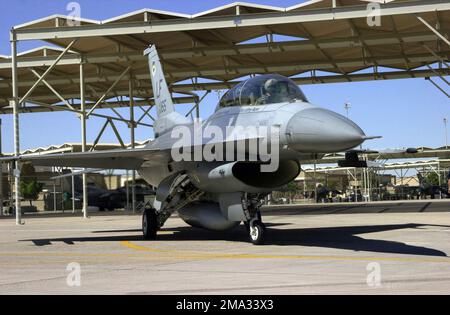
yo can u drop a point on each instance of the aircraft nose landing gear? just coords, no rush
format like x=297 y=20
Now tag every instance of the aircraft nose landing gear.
x=254 y=225
x=257 y=231
x=149 y=224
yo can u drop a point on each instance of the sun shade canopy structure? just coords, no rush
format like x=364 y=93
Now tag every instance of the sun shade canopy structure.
x=422 y=152
x=318 y=41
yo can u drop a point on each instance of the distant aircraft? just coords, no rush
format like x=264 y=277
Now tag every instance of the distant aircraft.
x=224 y=180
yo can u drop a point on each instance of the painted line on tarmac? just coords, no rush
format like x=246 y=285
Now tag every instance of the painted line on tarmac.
x=187 y=254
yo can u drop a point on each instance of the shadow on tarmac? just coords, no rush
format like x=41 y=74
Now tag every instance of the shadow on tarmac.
x=336 y=208
x=330 y=237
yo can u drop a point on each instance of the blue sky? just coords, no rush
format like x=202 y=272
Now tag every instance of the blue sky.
x=405 y=112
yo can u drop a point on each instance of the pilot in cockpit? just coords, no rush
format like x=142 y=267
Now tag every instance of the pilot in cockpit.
x=274 y=92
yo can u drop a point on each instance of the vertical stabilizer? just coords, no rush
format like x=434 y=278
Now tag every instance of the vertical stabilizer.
x=167 y=116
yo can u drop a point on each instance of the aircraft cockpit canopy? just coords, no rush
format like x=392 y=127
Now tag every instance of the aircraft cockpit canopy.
x=263 y=90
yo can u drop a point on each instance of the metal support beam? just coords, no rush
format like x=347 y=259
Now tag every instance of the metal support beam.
x=11 y=185
x=146 y=113
x=83 y=137
x=127 y=187
x=433 y=30
x=73 y=191
x=15 y=100
x=117 y=113
x=132 y=140
x=102 y=130
x=229 y=21
x=438 y=87
x=52 y=89
x=116 y=132
x=50 y=108
x=241 y=70
x=229 y=50
x=54 y=195
x=109 y=90
x=315 y=181
x=436 y=55
x=438 y=75
x=53 y=65
x=298 y=67
x=197 y=104
x=143 y=77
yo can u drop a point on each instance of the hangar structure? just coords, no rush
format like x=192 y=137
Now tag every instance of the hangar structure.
x=422 y=153
x=425 y=161
x=99 y=64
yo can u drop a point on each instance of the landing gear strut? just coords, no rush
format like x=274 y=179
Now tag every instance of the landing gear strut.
x=149 y=224
x=182 y=192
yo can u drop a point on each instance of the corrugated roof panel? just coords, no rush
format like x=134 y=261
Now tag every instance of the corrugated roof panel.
x=238 y=35
x=43 y=51
x=318 y=4
x=242 y=7
x=89 y=44
x=54 y=21
x=323 y=30
x=145 y=15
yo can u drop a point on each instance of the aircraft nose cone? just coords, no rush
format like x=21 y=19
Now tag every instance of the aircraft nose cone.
x=320 y=130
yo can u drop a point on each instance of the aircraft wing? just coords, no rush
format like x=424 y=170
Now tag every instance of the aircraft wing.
x=130 y=159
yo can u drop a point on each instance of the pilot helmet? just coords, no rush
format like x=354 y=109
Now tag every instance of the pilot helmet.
x=271 y=85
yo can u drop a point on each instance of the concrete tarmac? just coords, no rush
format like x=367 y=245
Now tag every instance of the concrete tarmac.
x=382 y=248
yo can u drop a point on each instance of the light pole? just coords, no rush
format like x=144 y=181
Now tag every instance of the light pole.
x=446 y=134
x=347 y=106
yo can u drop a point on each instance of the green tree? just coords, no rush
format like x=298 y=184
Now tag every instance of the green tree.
x=29 y=187
x=292 y=189
x=432 y=179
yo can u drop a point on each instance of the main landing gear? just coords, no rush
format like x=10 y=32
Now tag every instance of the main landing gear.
x=182 y=192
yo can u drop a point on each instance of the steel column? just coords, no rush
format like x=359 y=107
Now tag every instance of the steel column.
x=54 y=195
x=83 y=137
x=73 y=192
x=132 y=136
x=315 y=181
x=15 y=95
x=127 y=186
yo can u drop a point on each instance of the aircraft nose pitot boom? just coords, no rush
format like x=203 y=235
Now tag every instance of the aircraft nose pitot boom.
x=321 y=130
